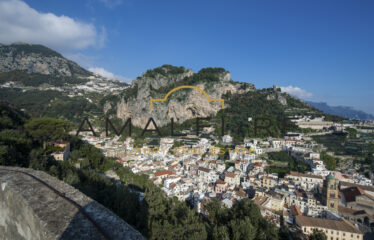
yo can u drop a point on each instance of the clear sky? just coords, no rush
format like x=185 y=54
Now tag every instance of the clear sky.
x=317 y=50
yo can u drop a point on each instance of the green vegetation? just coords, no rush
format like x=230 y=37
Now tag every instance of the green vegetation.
x=344 y=144
x=242 y=221
x=293 y=164
x=34 y=48
x=47 y=128
x=208 y=75
x=252 y=104
x=164 y=70
x=280 y=156
x=365 y=127
x=36 y=79
x=333 y=142
x=329 y=161
x=351 y=132
x=51 y=104
x=317 y=235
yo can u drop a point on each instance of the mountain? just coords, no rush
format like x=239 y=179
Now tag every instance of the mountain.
x=241 y=100
x=42 y=82
x=181 y=105
x=32 y=66
x=343 y=111
x=33 y=58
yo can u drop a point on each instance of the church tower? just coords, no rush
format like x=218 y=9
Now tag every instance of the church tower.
x=330 y=193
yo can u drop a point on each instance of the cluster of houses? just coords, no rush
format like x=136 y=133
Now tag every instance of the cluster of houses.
x=338 y=203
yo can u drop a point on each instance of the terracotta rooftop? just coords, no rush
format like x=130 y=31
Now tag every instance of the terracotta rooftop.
x=260 y=200
x=219 y=181
x=351 y=193
x=363 y=187
x=204 y=169
x=165 y=172
x=295 y=210
x=230 y=175
x=350 y=211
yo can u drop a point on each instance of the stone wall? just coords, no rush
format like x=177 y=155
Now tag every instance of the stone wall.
x=30 y=209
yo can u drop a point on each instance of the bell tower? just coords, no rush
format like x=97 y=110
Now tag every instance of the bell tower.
x=330 y=193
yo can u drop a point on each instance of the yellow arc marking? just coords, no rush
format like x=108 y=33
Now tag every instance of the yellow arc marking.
x=190 y=87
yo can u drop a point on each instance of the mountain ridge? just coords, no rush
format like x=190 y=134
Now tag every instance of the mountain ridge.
x=35 y=58
x=70 y=95
x=343 y=111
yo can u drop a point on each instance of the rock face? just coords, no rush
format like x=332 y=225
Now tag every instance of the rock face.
x=181 y=105
x=33 y=58
x=277 y=96
x=30 y=210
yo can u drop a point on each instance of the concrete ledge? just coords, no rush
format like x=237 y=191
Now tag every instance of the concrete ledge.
x=30 y=210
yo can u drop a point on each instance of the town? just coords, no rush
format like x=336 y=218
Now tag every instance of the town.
x=198 y=169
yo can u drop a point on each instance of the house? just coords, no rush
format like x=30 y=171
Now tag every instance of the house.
x=268 y=182
x=206 y=174
x=220 y=186
x=308 y=182
x=63 y=154
x=226 y=139
x=276 y=202
x=232 y=179
x=358 y=206
x=295 y=211
x=163 y=174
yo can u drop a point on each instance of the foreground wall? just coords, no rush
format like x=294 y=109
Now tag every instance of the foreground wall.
x=34 y=208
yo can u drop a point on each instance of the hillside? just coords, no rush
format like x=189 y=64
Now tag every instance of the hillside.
x=241 y=101
x=44 y=83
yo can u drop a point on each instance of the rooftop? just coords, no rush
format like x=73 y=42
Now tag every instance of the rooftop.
x=339 y=225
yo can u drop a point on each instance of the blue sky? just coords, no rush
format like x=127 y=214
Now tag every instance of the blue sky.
x=317 y=50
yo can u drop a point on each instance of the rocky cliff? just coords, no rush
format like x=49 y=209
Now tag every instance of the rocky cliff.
x=32 y=58
x=31 y=209
x=181 y=105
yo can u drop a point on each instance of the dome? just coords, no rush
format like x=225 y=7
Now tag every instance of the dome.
x=330 y=177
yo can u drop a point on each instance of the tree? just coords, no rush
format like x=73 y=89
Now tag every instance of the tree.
x=220 y=233
x=47 y=129
x=242 y=229
x=329 y=161
x=317 y=235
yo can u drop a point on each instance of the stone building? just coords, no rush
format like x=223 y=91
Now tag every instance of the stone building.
x=330 y=193
x=334 y=229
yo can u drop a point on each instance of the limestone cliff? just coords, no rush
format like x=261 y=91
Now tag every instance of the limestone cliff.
x=181 y=105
